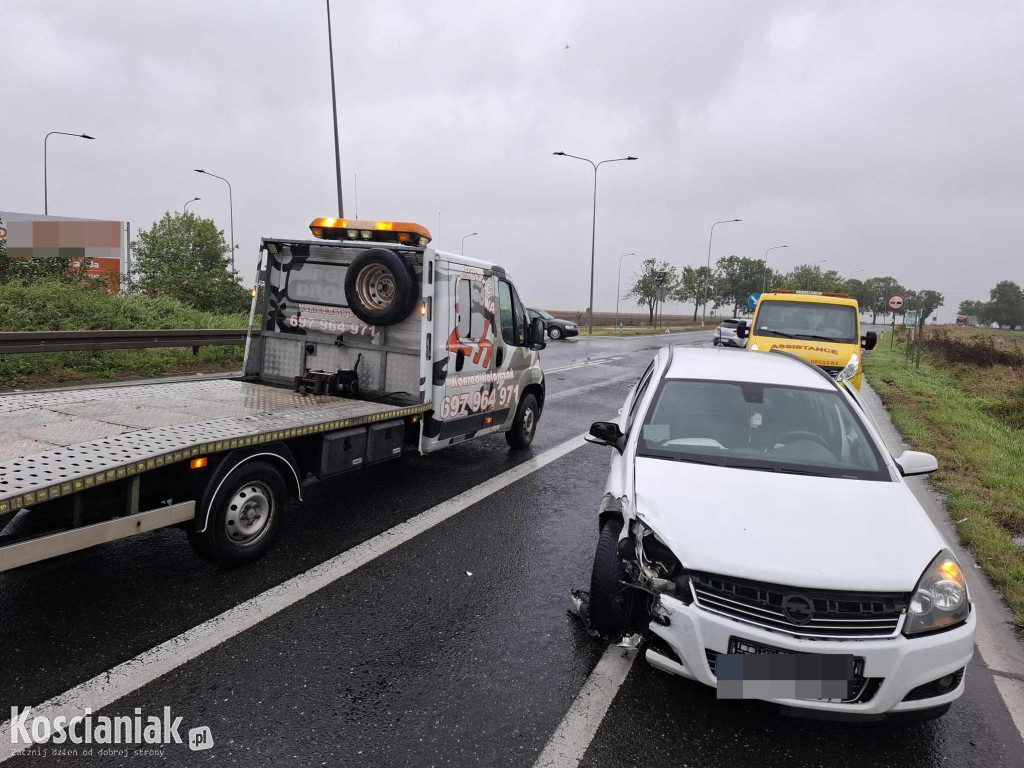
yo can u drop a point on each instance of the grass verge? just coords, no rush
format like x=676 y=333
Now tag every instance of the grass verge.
x=949 y=412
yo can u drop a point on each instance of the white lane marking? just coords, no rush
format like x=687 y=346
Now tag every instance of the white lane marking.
x=566 y=747
x=582 y=365
x=129 y=676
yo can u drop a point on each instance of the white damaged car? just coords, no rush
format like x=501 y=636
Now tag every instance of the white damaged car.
x=752 y=508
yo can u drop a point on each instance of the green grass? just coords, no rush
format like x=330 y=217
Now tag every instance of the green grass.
x=56 y=306
x=949 y=411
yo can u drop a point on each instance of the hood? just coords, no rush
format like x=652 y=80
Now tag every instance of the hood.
x=794 y=530
x=817 y=352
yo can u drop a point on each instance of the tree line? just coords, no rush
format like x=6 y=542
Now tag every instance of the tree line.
x=734 y=278
x=1004 y=307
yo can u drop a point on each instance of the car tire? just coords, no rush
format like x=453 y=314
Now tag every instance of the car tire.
x=524 y=425
x=245 y=516
x=379 y=287
x=609 y=599
x=555 y=332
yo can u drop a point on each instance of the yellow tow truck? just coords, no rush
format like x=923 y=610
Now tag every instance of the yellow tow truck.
x=822 y=328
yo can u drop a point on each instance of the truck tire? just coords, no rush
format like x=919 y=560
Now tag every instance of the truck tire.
x=379 y=287
x=524 y=425
x=245 y=516
x=609 y=599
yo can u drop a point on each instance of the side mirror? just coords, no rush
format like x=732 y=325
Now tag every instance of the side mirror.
x=742 y=330
x=538 y=333
x=916 y=463
x=607 y=433
x=869 y=340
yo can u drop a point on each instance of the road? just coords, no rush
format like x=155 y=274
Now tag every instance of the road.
x=415 y=614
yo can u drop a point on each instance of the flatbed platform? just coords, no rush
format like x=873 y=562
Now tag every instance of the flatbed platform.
x=56 y=443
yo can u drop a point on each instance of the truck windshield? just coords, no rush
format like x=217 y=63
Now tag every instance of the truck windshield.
x=759 y=427
x=807 y=320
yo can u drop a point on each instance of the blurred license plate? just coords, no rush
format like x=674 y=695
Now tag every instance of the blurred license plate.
x=755 y=671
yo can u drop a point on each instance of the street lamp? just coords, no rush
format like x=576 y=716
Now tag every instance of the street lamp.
x=185 y=209
x=764 y=274
x=334 y=114
x=855 y=272
x=593 y=229
x=46 y=193
x=618 y=287
x=231 y=208
x=471 y=234
x=707 y=282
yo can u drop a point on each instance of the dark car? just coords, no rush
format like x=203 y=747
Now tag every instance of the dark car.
x=557 y=329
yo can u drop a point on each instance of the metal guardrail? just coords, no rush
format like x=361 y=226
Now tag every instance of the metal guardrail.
x=87 y=341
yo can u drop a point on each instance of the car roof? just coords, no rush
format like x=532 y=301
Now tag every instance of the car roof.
x=812 y=298
x=741 y=365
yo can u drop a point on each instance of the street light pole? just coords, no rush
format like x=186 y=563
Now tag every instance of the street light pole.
x=46 y=191
x=184 y=210
x=471 y=234
x=231 y=209
x=334 y=114
x=618 y=287
x=593 y=228
x=707 y=280
x=764 y=274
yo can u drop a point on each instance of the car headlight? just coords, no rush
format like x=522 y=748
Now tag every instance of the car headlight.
x=850 y=370
x=940 y=598
x=654 y=557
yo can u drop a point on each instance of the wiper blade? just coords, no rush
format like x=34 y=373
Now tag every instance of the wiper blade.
x=811 y=336
x=694 y=460
x=774 y=468
x=773 y=332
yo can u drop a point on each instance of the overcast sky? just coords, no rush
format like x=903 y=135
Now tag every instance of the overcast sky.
x=883 y=136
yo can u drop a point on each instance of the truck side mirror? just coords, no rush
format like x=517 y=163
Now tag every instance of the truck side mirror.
x=607 y=433
x=742 y=331
x=538 y=334
x=869 y=340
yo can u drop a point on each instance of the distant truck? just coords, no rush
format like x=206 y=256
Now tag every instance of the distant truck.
x=371 y=345
x=823 y=328
x=971 y=320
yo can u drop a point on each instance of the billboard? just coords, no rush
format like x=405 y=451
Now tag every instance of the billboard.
x=31 y=236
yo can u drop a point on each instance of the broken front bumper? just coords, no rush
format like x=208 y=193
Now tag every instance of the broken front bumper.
x=895 y=665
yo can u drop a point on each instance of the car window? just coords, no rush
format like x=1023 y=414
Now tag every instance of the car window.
x=511 y=315
x=759 y=426
x=471 y=324
x=641 y=388
x=807 y=320
x=730 y=323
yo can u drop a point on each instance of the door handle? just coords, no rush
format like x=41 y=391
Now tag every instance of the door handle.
x=460 y=360
x=499 y=356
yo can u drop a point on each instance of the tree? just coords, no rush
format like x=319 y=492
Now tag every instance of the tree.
x=1006 y=306
x=811 y=277
x=737 y=278
x=860 y=291
x=924 y=302
x=654 y=274
x=186 y=257
x=692 y=286
x=971 y=307
x=879 y=289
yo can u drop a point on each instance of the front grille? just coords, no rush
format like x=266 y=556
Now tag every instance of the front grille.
x=846 y=615
x=862 y=689
x=832 y=370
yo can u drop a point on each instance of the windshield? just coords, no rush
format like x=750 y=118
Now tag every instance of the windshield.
x=807 y=320
x=542 y=313
x=759 y=427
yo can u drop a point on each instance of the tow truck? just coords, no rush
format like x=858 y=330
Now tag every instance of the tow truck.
x=363 y=345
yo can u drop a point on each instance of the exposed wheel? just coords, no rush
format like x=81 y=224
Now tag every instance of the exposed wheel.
x=524 y=425
x=555 y=332
x=609 y=599
x=379 y=287
x=245 y=516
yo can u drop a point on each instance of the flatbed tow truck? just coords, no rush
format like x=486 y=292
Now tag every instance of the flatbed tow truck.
x=370 y=345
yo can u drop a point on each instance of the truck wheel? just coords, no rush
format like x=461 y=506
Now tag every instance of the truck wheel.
x=524 y=425
x=609 y=606
x=555 y=332
x=379 y=287
x=245 y=516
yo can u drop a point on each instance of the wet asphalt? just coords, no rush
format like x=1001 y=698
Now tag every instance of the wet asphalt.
x=455 y=648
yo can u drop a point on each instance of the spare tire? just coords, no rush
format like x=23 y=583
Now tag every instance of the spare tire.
x=380 y=288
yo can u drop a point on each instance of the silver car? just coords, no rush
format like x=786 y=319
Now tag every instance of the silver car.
x=725 y=334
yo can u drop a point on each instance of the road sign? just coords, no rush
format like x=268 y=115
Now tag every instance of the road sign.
x=752 y=300
x=896 y=302
x=661 y=294
x=910 y=318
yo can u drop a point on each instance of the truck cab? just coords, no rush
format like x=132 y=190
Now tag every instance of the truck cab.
x=822 y=328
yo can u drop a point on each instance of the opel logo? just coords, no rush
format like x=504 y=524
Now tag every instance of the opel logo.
x=799 y=609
